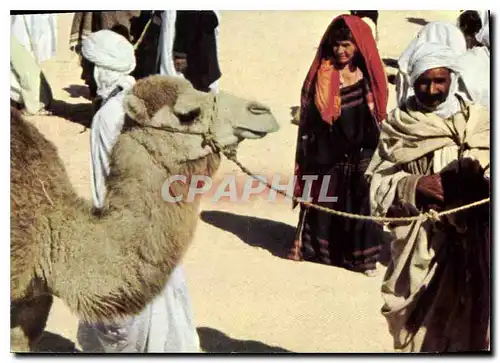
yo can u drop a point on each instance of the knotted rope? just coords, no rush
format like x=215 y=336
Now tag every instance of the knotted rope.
x=431 y=214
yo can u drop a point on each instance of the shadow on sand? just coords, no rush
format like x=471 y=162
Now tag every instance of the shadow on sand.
x=77 y=90
x=214 y=341
x=276 y=237
x=80 y=113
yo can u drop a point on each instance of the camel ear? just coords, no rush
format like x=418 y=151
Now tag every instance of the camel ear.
x=136 y=109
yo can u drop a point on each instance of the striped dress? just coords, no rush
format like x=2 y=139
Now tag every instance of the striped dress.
x=342 y=152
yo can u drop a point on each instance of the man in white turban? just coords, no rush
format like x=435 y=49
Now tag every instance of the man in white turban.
x=436 y=32
x=473 y=65
x=166 y=324
x=433 y=154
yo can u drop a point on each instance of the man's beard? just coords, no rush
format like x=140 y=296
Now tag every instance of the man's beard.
x=431 y=103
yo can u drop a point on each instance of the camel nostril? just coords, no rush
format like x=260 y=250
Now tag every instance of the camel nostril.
x=258 y=109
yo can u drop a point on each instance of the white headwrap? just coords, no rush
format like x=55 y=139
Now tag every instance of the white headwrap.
x=432 y=55
x=436 y=32
x=483 y=36
x=114 y=59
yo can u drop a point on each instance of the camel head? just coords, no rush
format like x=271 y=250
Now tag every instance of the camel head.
x=171 y=106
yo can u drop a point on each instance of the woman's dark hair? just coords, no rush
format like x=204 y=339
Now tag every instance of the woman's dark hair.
x=470 y=22
x=339 y=31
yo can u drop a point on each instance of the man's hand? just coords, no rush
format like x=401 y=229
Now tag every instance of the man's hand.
x=401 y=210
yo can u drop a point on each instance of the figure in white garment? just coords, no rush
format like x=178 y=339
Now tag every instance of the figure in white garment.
x=475 y=63
x=33 y=41
x=166 y=324
x=190 y=33
x=37 y=33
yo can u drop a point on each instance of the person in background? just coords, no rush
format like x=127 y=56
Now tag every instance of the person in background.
x=344 y=101
x=33 y=41
x=194 y=47
x=475 y=64
x=37 y=33
x=166 y=324
x=29 y=90
x=470 y=23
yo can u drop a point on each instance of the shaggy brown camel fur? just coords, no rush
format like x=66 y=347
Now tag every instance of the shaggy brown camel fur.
x=111 y=265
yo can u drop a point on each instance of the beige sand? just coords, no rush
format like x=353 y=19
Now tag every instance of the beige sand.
x=245 y=297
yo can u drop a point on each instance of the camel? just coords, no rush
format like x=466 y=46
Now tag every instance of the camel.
x=109 y=265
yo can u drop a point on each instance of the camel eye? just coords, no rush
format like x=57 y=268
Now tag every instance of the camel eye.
x=190 y=117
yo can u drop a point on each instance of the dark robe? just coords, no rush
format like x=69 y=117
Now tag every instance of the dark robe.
x=195 y=40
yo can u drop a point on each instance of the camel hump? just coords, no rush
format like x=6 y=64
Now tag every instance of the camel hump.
x=36 y=169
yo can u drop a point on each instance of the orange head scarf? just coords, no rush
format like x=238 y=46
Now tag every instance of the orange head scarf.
x=322 y=83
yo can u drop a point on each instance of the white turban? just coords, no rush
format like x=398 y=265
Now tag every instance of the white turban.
x=432 y=55
x=114 y=59
x=483 y=36
x=436 y=32
x=109 y=50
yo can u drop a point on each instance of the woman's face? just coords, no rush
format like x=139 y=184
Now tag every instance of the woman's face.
x=433 y=86
x=344 y=51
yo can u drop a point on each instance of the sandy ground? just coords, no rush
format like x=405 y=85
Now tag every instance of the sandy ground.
x=246 y=297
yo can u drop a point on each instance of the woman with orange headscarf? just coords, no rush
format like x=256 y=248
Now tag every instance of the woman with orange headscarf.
x=343 y=103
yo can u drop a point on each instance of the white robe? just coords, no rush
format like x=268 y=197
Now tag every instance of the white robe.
x=28 y=85
x=474 y=68
x=164 y=326
x=37 y=33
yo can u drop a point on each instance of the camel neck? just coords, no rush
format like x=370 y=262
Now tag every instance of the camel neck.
x=124 y=257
